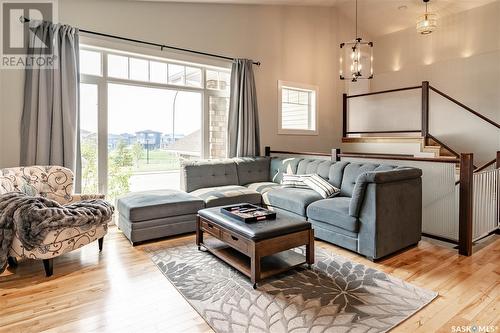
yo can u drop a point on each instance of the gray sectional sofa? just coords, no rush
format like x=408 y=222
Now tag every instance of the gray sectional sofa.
x=378 y=211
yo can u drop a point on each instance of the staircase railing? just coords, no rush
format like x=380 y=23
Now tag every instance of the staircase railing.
x=467 y=182
x=463 y=106
x=425 y=109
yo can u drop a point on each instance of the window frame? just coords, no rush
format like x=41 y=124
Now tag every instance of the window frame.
x=103 y=80
x=315 y=112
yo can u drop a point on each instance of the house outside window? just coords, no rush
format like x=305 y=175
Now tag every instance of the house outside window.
x=298 y=110
x=141 y=116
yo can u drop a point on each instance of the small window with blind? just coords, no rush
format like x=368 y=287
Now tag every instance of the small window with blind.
x=298 y=112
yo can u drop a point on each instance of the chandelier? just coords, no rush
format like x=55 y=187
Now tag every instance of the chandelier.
x=359 y=56
x=427 y=22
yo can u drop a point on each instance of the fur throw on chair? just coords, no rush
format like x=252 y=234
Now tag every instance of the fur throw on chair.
x=31 y=218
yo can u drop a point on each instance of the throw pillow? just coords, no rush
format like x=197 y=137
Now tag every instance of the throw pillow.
x=320 y=185
x=291 y=180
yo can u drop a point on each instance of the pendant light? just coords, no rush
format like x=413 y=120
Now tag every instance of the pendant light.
x=359 y=56
x=426 y=23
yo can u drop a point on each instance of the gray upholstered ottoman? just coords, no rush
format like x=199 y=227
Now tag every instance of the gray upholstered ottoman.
x=154 y=214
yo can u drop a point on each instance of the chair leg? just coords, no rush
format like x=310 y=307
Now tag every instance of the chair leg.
x=48 y=264
x=12 y=262
x=101 y=242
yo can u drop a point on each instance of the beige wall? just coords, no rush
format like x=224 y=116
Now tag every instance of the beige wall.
x=461 y=58
x=300 y=44
x=295 y=44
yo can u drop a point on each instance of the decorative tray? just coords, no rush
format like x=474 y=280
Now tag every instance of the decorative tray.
x=248 y=213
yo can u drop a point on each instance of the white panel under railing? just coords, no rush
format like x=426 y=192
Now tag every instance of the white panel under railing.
x=396 y=111
x=485 y=202
x=439 y=207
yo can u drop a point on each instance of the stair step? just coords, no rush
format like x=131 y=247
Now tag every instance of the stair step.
x=424 y=154
x=433 y=150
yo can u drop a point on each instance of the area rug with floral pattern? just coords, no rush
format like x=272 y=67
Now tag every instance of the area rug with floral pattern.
x=335 y=295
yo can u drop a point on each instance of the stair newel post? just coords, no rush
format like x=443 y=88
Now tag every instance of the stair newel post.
x=465 y=204
x=344 y=115
x=267 y=151
x=425 y=109
x=335 y=154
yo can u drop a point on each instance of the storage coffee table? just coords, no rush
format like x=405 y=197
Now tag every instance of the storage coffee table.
x=258 y=249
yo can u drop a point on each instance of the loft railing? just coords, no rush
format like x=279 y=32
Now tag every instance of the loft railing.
x=470 y=204
x=425 y=109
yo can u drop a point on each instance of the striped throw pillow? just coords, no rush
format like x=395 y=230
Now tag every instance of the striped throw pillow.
x=320 y=185
x=290 y=180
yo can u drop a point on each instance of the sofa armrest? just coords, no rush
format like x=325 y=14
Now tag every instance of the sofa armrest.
x=390 y=217
x=378 y=177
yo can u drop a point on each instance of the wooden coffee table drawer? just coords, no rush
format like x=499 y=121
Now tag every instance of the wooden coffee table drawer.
x=211 y=229
x=237 y=242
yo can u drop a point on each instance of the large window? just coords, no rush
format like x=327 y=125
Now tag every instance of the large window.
x=141 y=116
x=298 y=112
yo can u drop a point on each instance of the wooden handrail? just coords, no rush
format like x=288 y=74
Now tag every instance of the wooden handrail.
x=295 y=153
x=485 y=165
x=444 y=145
x=390 y=131
x=384 y=91
x=401 y=157
x=465 y=107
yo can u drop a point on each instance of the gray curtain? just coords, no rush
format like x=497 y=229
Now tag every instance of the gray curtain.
x=243 y=122
x=50 y=120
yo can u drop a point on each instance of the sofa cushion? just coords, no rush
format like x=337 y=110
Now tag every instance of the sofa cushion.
x=333 y=211
x=262 y=187
x=294 y=200
x=208 y=173
x=282 y=165
x=150 y=205
x=252 y=169
x=227 y=195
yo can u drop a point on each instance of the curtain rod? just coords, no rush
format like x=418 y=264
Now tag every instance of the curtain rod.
x=161 y=46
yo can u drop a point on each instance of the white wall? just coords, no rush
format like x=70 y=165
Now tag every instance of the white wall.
x=295 y=44
x=462 y=59
x=300 y=44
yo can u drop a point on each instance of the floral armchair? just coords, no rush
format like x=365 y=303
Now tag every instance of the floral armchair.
x=56 y=183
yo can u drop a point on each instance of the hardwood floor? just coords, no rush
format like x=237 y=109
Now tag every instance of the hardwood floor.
x=120 y=290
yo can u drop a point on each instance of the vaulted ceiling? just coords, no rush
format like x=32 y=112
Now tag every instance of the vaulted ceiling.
x=377 y=17
x=380 y=17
